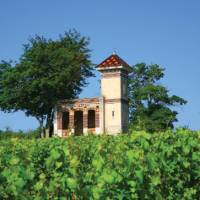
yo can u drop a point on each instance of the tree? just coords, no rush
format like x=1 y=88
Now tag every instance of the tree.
x=150 y=102
x=48 y=71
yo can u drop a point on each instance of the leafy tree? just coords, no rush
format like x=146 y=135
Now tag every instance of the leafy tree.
x=48 y=71
x=5 y=69
x=150 y=102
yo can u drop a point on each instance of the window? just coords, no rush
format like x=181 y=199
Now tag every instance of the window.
x=91 y=119
x=113 y=113
x=65 y=120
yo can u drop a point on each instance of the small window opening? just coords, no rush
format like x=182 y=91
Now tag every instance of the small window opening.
x=113 y=113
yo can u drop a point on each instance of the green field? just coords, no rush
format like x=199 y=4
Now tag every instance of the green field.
x=137 y=166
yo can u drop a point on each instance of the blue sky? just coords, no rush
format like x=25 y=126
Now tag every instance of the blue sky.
x=162 y=32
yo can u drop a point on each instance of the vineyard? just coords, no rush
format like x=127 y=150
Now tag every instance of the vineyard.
x=137 y=166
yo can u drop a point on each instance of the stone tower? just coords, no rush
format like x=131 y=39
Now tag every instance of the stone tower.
x=114 y=95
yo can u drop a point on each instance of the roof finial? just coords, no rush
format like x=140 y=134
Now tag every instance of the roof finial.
x=114 y=52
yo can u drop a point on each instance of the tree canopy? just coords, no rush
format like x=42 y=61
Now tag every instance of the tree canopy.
x=48 y=71
x=150 y=102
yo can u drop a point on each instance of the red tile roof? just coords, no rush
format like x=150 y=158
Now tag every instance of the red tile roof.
x=111 y=61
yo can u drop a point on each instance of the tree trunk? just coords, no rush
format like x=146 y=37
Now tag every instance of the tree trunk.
x=41 y=127
x=49 y=124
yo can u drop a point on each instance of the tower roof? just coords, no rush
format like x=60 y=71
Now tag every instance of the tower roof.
x=112 y=61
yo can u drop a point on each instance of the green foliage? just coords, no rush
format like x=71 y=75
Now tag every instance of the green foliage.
x=8 y=133
x=150 y=102
x=165 y=165
x=48 y=71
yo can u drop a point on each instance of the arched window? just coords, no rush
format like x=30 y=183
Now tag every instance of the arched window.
x=91 y=119
x=65 y=120
x=78 y=122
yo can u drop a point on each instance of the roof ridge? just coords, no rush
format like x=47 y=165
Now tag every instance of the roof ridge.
x=113 y=60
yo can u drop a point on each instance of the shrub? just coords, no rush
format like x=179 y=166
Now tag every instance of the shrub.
x=137 y=166
x=8 y=133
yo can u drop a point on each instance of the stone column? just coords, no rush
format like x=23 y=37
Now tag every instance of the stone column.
x=97 y=118
x=71 y=121
x=59 y=123
x=85 y=121
x=101 y=128
x=55 y=123
x=97 y=122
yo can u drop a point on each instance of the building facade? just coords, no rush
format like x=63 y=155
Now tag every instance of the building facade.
x=105 y=114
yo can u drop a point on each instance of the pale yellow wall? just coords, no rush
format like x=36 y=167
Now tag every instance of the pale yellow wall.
x=113 y=124
x=111 y=87
x=115 y=88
